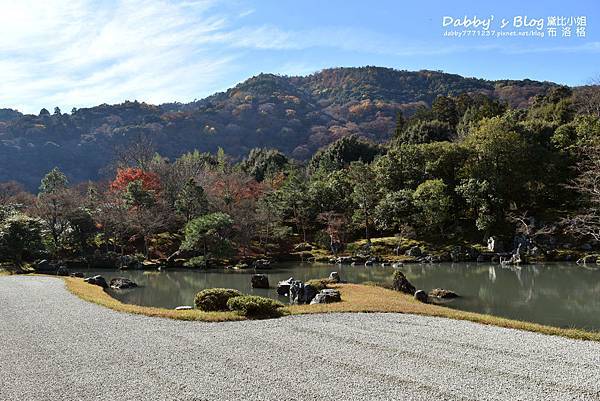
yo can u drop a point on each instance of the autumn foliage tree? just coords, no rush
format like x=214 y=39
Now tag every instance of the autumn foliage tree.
x=125 y=176
x=147 y=213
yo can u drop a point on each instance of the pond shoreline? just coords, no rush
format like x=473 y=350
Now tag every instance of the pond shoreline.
x=355 y=298
x=556 y=294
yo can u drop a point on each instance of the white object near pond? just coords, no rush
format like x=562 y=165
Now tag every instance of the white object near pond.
x=184 y=307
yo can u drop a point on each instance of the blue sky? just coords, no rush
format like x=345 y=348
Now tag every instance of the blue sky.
x=79 y=53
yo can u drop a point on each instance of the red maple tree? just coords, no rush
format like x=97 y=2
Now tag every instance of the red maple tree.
x=150 y=181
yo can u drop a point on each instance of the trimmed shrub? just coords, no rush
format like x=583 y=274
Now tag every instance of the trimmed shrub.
x=215 y=299
x=253 y=306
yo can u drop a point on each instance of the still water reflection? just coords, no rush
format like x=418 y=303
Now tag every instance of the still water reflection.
x=564 y=295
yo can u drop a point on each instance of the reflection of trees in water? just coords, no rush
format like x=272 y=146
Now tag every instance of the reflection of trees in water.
x=555 y=294
x=492 y=273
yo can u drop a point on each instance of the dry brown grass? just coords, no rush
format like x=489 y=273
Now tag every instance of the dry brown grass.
x=355 y=298
x=364 y=298
x=97 y=295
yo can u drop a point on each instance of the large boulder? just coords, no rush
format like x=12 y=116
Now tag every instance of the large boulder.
x=259 y=281
x=283 y=287
x=122 y=283
x=327 y=296
x=402 y=284
x=421 y=296
x=414 y=251
x=97 y=280
x=301 y=293
x=334 y=277
x=442 y=293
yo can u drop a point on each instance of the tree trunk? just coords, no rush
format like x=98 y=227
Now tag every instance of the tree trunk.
x=366 y=225
x=205 y=253
x=146 y=247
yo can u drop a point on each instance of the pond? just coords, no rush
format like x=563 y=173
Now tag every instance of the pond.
x=564 y=295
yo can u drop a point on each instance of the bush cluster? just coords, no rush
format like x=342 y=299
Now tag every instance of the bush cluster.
x=253 y=306
x=215 y=299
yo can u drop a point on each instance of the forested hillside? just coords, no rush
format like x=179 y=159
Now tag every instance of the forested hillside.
x=297 y=115
x=455 y=173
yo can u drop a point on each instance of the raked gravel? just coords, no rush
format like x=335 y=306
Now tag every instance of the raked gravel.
x=54 y=346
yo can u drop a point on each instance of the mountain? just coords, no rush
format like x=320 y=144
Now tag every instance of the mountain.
x=297 y=115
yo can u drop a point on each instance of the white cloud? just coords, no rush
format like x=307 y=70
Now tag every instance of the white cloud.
x=80 y=53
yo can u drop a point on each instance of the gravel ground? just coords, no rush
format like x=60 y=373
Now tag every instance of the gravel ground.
x=54 y=346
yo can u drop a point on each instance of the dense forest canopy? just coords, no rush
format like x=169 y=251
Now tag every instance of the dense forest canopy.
x=296 y=115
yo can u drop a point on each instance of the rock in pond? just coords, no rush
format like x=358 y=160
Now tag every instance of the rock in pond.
x=97 y=280
x=327 y=296
x=259 y=281
x=334 y=277
x=184 y=307
x=301 y=293
x=402 y=284
x=77 y=274
x=441 y=293
x=283 y=287
x=122 y=283
x=421 y=296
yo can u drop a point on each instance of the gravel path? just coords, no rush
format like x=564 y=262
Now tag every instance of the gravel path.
x=54 y=346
